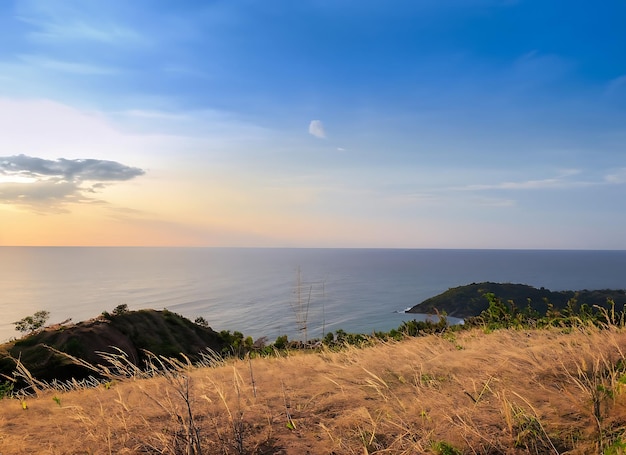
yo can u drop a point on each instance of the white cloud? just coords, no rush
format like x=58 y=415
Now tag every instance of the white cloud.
x=316 y=128
x=64 y=169
x=617 y=177
x=36 y=133
x=48 y=185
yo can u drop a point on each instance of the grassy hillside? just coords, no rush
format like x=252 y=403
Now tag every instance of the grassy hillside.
x=469 y=300
x=556 y=390
x=160 y=332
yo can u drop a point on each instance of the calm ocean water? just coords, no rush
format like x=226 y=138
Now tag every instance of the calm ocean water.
x=254 y=290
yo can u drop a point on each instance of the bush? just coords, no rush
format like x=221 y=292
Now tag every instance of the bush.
x=6 y=388
x=281 y=342
x=32 y=323
x=120 y=309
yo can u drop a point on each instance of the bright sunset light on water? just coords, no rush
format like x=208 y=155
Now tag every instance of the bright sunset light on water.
x=427 y=124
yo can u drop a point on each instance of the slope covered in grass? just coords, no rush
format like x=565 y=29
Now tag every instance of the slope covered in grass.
x=507 y=392
x=133 y=332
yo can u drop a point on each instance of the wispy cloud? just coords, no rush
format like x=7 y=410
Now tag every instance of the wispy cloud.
x=316 y=128
x=427 y=192
x=65 y=66
x=535 y=68
x=562 y=180
x=207 y=124
x=82 y=31
x=75 y=22
x=615 y=90
x=617 y=83
x=434 y=199
x=616 y=177
x=48 y=185
x=154 y=114
x=494 y=202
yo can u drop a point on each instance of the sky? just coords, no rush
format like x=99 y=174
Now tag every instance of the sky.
x=313 y=123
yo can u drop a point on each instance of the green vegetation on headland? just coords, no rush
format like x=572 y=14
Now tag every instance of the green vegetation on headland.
x=469 y=300
x=47 y=353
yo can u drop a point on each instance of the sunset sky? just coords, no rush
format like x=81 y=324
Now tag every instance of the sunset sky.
x=313 y=123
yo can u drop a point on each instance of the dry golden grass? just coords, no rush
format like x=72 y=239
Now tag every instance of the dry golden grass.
x=507 y=392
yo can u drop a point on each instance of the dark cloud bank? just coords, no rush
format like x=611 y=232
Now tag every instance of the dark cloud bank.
x=51 y=184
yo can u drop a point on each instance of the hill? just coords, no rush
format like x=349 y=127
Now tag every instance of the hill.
x=133 y=332
x=508 y=392
x=469 y=300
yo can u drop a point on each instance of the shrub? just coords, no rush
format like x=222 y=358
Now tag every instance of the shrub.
x=120 y=309
x=6 y=388
x=281 y=342
x=32 y=323
x=444 y=448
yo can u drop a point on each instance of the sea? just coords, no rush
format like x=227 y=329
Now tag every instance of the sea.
x=266 y=292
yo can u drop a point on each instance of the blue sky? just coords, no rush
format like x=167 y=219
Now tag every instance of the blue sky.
x=436 y=124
